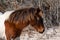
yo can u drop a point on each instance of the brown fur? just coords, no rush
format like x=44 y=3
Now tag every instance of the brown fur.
x=22 y=18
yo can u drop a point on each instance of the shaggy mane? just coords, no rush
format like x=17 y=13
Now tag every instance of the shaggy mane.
x=23 y=15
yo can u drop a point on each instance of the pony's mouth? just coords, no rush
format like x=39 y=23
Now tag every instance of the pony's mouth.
x=41 y=29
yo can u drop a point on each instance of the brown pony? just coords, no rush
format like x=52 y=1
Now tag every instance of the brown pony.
x=21 y=18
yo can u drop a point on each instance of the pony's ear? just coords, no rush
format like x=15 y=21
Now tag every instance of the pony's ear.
x=39 y=12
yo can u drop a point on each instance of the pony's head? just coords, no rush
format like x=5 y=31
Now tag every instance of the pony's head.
x=38 y=22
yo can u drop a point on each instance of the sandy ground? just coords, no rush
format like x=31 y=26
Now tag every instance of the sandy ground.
x=29 y=33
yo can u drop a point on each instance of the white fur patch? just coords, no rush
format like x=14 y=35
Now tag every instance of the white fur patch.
x=7 y=14
x=2 y=27
x=3 y=17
